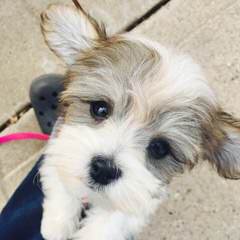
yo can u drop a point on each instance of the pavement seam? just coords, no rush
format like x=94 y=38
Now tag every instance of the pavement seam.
x=145 y=16
x=15 y=117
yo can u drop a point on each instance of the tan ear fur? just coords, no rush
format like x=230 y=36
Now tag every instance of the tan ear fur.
x=222 y=145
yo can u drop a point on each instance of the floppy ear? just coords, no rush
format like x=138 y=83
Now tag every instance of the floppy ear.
x=69 y=30
x=223 y=146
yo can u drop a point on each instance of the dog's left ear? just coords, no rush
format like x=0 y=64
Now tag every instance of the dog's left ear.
x=69 y=30
x=222 y=145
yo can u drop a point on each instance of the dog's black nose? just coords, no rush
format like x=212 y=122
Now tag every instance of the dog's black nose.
x=103 y=170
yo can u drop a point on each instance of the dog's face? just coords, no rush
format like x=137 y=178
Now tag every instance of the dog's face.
x=134 y=113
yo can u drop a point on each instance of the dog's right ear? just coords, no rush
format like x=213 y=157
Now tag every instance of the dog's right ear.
x=70 y=30
x=222 y=145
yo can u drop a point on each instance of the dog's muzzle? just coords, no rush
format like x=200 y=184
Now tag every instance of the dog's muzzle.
x=104 y=171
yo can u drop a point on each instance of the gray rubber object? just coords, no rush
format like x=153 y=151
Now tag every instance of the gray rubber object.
x=44 y=93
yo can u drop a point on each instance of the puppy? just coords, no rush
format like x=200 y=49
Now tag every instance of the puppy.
x=134 y=114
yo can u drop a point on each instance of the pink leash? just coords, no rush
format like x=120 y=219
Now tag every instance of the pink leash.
x=23 y=136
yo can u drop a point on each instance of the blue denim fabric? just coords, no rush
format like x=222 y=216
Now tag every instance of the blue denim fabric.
x=20 y=219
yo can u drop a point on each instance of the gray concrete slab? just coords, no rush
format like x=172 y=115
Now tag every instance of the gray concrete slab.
x=16 y=153
x=180 y=19
x=202 y=205
x=24 y=55
x=15 y=177
x=3 y=198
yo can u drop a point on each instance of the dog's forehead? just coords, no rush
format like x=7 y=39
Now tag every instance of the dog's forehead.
x=132 y=71
x=116 y=60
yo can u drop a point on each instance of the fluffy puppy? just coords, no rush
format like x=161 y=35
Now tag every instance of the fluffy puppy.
x=134 y=114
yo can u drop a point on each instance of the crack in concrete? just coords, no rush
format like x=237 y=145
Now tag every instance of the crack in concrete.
x=16 y=117
x=147 y=15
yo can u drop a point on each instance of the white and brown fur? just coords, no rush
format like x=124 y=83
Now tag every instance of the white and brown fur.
x=153 y=91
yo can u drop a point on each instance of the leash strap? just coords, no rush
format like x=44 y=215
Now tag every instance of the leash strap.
x=23 y=136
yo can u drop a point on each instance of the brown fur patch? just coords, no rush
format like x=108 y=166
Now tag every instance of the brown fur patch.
x=217 y=136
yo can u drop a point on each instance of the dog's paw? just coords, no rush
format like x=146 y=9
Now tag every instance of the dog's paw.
x=58 y=228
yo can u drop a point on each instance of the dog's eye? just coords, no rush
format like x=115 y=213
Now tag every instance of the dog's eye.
x=99 y=110
x=158 y=148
